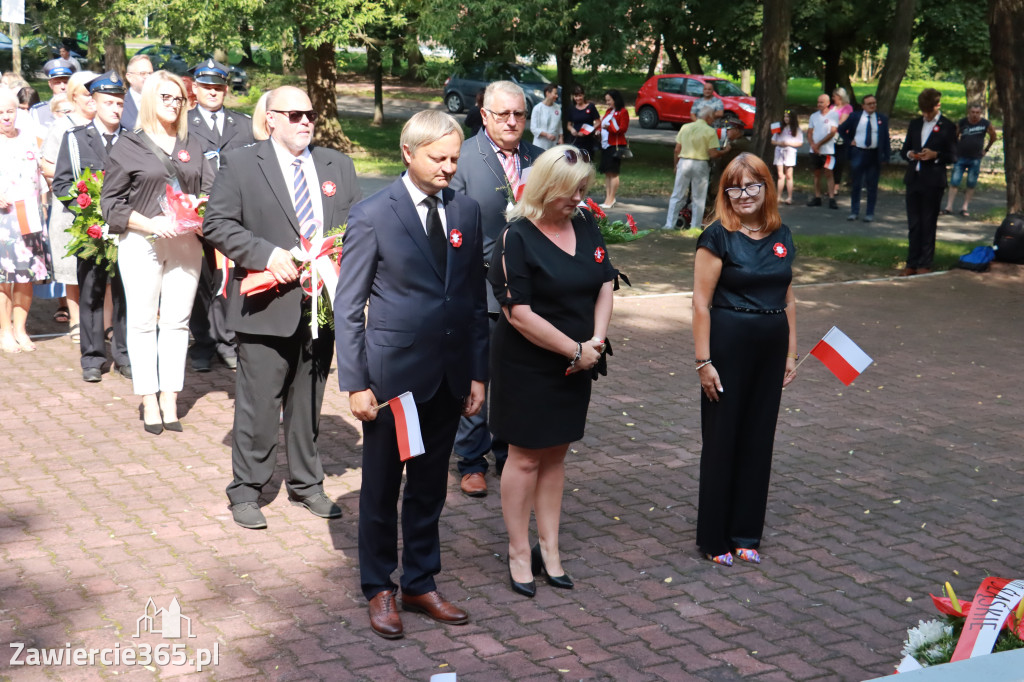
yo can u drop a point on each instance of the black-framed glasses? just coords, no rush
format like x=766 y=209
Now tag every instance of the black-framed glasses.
x=519 y=115
x=571 y=155
x=751 y=190
x=172 y=100
x=296 y=116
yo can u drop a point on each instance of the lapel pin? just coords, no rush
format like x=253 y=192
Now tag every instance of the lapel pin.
x=329 y=188
x=184 y=156
x=455 y=238
x=599 y=254
x=779 y=249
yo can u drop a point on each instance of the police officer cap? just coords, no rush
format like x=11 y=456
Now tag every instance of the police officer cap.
x=211 y=71
x=108 y=83
x=58 y=68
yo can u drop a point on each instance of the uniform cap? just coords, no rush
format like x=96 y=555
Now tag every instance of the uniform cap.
x=211 y=71
x=108 y=83
x=57 y=68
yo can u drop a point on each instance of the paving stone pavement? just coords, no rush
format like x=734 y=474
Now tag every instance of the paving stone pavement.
x=881 y=491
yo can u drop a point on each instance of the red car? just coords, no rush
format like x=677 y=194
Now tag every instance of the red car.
x=669 y=97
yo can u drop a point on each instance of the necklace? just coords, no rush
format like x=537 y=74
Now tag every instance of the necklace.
x=553 y=235
x=751 y=229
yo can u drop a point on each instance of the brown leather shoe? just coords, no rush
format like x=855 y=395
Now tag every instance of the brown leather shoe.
x=435 y=606
x=384 y=618
x=474 y=485
x=923 y=271
x=907 y=272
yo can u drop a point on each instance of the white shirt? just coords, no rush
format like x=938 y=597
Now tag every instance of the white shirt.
x=136 y=97
x=285 y=159
x=926 y=131
x=206 y=114
x=818 y=128
x=545 y=119
x=418 y=196
x=862 y=128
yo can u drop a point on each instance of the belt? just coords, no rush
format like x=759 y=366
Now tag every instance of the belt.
x=758 y=311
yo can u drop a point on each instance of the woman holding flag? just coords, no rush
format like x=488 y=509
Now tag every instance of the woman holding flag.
x=744 y=333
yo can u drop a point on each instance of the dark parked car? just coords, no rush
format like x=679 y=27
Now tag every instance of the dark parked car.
x=460 y=89
x=669 y=97
x=179 y=60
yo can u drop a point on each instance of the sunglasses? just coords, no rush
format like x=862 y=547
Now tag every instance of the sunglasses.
x=172 y=100
x=296 y=116
x=571 y=155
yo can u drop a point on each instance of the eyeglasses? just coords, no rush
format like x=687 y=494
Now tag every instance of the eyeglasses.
x=571 y=155
x=172 y=100
x=751 y=190
x=504 y=115
x=296 y=116
x=144 y=74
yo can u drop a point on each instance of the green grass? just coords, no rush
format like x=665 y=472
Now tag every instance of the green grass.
x=875 y=251
x=379 y=146
x=802 y=93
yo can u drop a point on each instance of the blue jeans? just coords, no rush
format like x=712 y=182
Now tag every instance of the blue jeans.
x=865 y=168
x=972 y=166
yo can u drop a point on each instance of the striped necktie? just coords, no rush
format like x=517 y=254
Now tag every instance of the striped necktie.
x=508 y=164
x=303 y=203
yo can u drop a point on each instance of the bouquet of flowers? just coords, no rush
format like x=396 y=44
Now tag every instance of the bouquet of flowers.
x=89 y=234
x=615 y=232
x=185 y=210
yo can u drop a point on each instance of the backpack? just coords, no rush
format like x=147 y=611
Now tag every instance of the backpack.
x=1009 y=241
x=978 y=259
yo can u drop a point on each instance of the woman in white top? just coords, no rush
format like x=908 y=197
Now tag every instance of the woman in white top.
x=786 y=142
x=546 y=120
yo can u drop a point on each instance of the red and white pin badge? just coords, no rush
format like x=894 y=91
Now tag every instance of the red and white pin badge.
x=599 y=254
x=329 y=188
x=779 y=249
x=184 y=156
x=455 y=238
x=935 y=129
x=30 y=156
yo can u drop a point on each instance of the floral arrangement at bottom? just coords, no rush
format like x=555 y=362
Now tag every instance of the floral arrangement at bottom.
x=997 y=625
x=90 y=239
x=617 y=231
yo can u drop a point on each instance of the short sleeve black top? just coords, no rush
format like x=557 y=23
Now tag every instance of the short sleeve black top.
x=971 y=144
x=756 y=273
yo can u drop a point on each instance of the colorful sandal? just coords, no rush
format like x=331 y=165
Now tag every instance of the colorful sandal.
x=723 y=559
x=749 y=555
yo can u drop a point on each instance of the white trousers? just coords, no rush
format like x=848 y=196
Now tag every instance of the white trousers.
x=160 y=279
x=693 y=174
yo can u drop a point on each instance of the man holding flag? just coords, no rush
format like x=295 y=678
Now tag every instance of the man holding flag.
x=415 y=250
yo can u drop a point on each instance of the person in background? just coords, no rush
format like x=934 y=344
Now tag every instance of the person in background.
x=866 y=133
x=474 y=119
x=546 y=120
x=821 y=133
x=260 y=131
x=696 y=144
x=841 y=110
x=27 y=98
x=65 y=54
x=583 y=121
x=139 y=69
x=786 y=142
x=742 y=290
x=614 y=125
x=58 y=71
x=970 y=150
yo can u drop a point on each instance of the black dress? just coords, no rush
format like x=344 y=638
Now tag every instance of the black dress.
x=749 y=342
x=533 y=403
x=581 y=117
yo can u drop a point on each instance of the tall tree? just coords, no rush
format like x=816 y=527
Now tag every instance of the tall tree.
x=772 y=73
x=901 y=36
x=954 y=33
x=1005 y=18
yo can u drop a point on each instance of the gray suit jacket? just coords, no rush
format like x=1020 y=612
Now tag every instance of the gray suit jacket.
x=480 y=177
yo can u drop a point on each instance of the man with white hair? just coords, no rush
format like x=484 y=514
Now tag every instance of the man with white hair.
x=696 y=145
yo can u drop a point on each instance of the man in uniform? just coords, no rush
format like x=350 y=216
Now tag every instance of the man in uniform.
x=220 y=130
x=57 y=71
x=87 y=147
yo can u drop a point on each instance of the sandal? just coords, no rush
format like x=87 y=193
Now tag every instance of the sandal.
x=723 y=559
x=749 y=555
x=965 y=214
x=62 y=315
x=25 y=344
x=75 y=334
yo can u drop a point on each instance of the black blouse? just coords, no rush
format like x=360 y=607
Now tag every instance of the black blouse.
x=756 y=273
x=135 y=179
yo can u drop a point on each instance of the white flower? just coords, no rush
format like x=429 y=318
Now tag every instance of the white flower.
x=924 y=635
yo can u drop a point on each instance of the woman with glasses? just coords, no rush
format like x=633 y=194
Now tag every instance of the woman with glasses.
x=551 y=274
x=159 y=266
x=614 y=125
x=744 y=334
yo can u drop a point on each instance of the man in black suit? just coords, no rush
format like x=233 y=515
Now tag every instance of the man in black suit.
x=220 y=130
x=930 y=145
x=866 y=134
x=491 y=166
x=415 y=250
x=265 y=197
x=87 y=147
x=139 y=69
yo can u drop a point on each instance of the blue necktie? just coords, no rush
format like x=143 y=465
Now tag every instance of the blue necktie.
x=867 y=134
x=303 y=203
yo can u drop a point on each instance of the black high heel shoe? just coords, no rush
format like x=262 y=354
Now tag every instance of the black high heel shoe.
x=155 y=429
x=563 y=581
x=526 y=589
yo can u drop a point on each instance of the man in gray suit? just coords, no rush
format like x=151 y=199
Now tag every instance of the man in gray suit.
x=491 y=168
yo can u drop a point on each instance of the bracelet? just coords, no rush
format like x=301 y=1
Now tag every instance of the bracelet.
x=705 y=361
x=579 y=353
x=793 y=356
x=702 y=365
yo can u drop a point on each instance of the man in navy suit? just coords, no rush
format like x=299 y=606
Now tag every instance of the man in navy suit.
x=866 y=134
x=490 y=167
x=139 y=69
x=930 y=145
x=415 y=250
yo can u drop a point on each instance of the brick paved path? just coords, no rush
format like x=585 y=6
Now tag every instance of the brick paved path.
x=881 y=491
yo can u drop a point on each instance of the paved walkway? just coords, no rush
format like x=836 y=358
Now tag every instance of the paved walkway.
x=881 y=492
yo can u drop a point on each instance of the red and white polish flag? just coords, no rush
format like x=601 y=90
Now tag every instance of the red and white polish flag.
x=407 y=426
x=830 y=162
x=841 y=355
x=776 y=127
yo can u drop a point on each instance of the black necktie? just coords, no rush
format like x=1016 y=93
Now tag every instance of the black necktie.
x=435 y=234
x=108 y=139
x=213 y=123
x=867 y=134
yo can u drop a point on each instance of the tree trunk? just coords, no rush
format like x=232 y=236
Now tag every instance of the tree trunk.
x=375 y=70
x=692 y=58
x=413 y=58
x=745 y=80
x=114 y=57
x=974 y=88
x=15 y=30
x=844 y=80
x=563 y=64
x=396 y=58
x=1005 y=17
x=673 y=59
x=831 y=55
x=288 y=53
x=652 y=66
x=900 y=38
x=321 y=77
x=245 y=35
x=772 y=74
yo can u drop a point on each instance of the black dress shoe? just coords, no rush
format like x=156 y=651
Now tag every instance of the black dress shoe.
x=248 y=515
x=92 y=375
x=319 y=505
x=563 y=581
x=125 y=371
x=174 y=426
x=200 y=364
x=155 y=429
x=526 y=589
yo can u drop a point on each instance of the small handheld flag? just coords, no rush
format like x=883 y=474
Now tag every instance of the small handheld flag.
x=407 y=426
x=841 y=355
x=776 y=127
x=830 y=162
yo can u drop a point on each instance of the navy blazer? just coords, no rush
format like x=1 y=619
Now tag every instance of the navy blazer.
x=943 y=141
x=130 y=115
x=848 y=129
x=422 y=325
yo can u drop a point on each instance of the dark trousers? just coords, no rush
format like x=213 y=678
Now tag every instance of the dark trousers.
x=922 y=220
x=841 y=155
x=739 y=430
x=865 y=167
x=426 y=487
x=474 y=438
x=208 y=323
x=92 y=283
x=275 y=372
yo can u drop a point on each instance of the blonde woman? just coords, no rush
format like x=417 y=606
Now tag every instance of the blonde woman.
x=551 y=274
x=160 y=267
x=260 y=131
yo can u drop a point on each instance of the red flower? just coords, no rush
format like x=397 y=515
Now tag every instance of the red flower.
x=779 y=249
x=632 y=223
x=595 y=209
x=81 y=186
x=455 y=238
x=84 y=200
x=329 y=188
x=94 y=231
x=184 y=156
x=599 y=254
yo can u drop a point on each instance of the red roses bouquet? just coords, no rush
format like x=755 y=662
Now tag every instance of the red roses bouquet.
x=89 y=236
x=615 y=232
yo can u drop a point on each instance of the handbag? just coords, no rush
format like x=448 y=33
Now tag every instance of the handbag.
x=623 y=152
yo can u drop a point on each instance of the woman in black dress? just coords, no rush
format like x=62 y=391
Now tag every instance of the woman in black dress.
x=582 y=113
x=744 y=334
x=553 y=278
